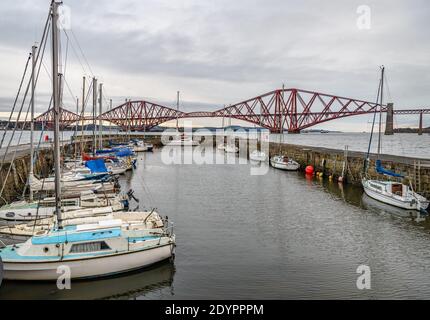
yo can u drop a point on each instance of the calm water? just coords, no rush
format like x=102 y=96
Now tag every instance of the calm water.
x=272 y=236
x=399 y=144
x=410 y=145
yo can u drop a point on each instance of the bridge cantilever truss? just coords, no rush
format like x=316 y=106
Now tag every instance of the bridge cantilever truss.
x=291 y=109
x=66 y=118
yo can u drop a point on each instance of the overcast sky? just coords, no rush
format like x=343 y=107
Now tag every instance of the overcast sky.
x=222 y=52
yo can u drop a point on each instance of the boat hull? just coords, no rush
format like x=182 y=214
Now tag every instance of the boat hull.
x=408 y=205
x=285 y=165
x=257 y=156
x=88 y=268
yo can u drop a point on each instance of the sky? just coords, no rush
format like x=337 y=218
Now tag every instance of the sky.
x=222 y=52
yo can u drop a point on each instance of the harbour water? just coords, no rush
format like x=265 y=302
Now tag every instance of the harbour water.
x=399 y=144
x=279 y=235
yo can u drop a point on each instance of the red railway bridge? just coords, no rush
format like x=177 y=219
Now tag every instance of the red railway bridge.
x=291 y=109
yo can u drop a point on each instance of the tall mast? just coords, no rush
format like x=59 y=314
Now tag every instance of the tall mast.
x=100 y=112
x=366 y=162
x=177 y=113
x=82 y=113
x=94 y=115
x=110 y=123
x=380 y=109
x=76 y=131
x=56 y=102
x=282 y=120
x=33 y=69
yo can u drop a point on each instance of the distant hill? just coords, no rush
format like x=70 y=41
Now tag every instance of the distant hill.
x=411 y=130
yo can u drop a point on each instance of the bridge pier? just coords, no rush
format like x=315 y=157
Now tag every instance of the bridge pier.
x=389 y=123
x=420 y=127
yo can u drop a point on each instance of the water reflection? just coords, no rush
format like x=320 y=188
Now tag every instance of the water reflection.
x=157 y=280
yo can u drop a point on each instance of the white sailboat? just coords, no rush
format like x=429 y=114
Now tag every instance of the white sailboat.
x=258 y=155
x=181 y=139
x=281 y=161
x=88 y=250
x=390 y=192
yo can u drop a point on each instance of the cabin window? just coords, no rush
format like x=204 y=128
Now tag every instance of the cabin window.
x=10 y=214
x=378 y=187
x=89 y=247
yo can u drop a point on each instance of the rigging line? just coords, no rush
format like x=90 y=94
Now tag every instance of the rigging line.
x=15 y=151
x=75 y=52
x=366 y=162
x=23 y=102
x=65 y=69
x=82 y=52
x=38 y=146
x=68 y=88
x=45 y=31
x=388 y=88
x=16 y=99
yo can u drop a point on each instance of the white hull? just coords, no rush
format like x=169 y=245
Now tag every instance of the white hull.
x=178 y=143
x=285 y=165
x=408 y=203
x=231 y=149
x=27 y=214
x=88 y=268
x=114 y=170
x=221 y=147
x=257 y=156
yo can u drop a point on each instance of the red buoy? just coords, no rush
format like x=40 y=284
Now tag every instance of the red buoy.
x=309 y=170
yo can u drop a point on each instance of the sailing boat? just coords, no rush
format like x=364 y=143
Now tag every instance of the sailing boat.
x=95 y=249
x=230 y=146
x=258 y=155
x=181 y=139
x=221 y=146
x=281 y=161
x=390 y=192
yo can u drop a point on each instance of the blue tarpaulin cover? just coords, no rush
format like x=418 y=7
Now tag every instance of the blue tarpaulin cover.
x=104 y=151
x=380 y=169
x=96 y=166
x=125 y=152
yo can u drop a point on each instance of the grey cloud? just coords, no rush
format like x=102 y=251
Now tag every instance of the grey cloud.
x=257 y=44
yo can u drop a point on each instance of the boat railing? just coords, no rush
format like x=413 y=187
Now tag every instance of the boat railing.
x=169 y=229
x=2 y=244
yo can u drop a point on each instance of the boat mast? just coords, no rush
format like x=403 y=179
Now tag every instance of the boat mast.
x=282 y=120
x=177 y=113
x=56 y=102
x=33 y=69
x=380 y=109
x=367 y=160
x=82 y=113
x=76 y=131
x=110 y=123
x=100 y=112
x=94 y=115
